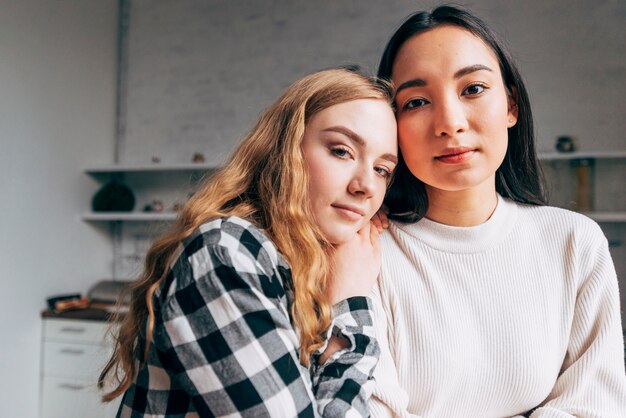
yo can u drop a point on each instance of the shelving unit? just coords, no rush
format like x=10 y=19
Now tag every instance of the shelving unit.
x=147 y=168
x=196 y=170
x=582 y=155
x=128 y=216
x=191 y=172
x=132 y=231
x=607 y=216
x=597 y=161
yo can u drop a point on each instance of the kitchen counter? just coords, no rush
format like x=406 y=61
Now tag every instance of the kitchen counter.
x=88 y=314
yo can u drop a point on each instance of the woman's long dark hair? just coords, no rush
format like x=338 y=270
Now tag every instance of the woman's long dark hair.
x=519 y=177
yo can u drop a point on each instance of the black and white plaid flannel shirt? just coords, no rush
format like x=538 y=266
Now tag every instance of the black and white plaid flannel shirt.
x=224 y=344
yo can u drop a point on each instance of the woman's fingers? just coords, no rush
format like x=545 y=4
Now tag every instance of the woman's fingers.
x=374 y=236
x=357 y=265
x=380 y=220
x=377 y=222
x=365 y=230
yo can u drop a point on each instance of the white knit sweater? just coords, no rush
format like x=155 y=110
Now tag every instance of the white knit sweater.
x=518 y=313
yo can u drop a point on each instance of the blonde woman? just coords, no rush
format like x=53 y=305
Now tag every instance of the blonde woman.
x=255 y=303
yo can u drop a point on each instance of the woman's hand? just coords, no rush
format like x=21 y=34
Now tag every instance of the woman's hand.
x=380 y=220
x=357 y=265
x=335 y=344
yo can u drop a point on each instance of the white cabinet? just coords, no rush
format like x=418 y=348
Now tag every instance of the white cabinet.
x=74 y=352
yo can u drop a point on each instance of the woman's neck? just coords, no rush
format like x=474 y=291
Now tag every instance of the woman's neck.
x=469 y=207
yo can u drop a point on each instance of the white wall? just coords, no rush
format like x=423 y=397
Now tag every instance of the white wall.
x=57 y=115
x=198 y=72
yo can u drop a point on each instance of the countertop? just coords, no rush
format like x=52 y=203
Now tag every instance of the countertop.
x=88 y=314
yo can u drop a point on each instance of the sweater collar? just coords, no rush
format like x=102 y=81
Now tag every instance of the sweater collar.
x=458 y=239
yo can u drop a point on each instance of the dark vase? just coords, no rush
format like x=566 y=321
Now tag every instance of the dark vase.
x=565 y=144
x=114 y=196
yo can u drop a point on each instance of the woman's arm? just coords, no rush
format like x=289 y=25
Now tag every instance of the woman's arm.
x=389 y=398
x=229 y=343
x=343 y=383
x=352 y=350
x=592 y=382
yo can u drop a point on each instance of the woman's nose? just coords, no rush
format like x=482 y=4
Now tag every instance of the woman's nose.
x=363 y=182
x=450 y=118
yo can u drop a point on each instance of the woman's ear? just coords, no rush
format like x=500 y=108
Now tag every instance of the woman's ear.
x=513 y=109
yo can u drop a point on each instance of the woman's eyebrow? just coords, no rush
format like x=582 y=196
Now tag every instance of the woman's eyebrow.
x=416 y=82
x=347 y=132
x=471 y=69
x=390 y=157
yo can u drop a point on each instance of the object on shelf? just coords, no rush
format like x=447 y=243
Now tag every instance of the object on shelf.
x=114 y=196
x=565 y=144
x=59 y=298
x=198 y=157
x=69 y=302
x=156 y=159
x=71 y=305
x=584 y=185
x=154 y=206
x=109 y=291
x=177 y=207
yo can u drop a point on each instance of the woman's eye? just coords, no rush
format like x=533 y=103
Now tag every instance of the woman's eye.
x=383 y=171
x=340 y=152
x=414 y=103
x=474 y=89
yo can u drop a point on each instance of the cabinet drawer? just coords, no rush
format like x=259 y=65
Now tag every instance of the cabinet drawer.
x=69 y=398
x=83 y=361
x=63 y=330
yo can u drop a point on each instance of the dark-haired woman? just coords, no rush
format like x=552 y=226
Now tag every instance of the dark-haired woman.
x=492 y=304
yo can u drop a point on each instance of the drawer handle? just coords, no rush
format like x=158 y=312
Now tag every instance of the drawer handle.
x=71 y=386
x=73 y=330
x=73 y=351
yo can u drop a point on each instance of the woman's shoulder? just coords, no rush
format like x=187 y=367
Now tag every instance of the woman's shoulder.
x=236 y=239
x=226 y=250
x=231 y=235
x=228 y=232
x=226 y=261
x=562 y=221
x=557 y=214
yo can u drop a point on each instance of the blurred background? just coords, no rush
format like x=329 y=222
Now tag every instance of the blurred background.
x=152 y=94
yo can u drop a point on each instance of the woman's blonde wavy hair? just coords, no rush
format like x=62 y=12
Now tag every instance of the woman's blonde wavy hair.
x=266 y=183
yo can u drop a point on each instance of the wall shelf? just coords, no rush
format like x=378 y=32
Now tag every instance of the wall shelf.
x=582 y=155
x=129 y=216
x=160 y=167
x=120 y=169
x=607 y=216
x=147 y=168
x=592 y=178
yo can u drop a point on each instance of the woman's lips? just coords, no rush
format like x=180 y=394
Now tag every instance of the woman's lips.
x=351 y=213
x=455 y=156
